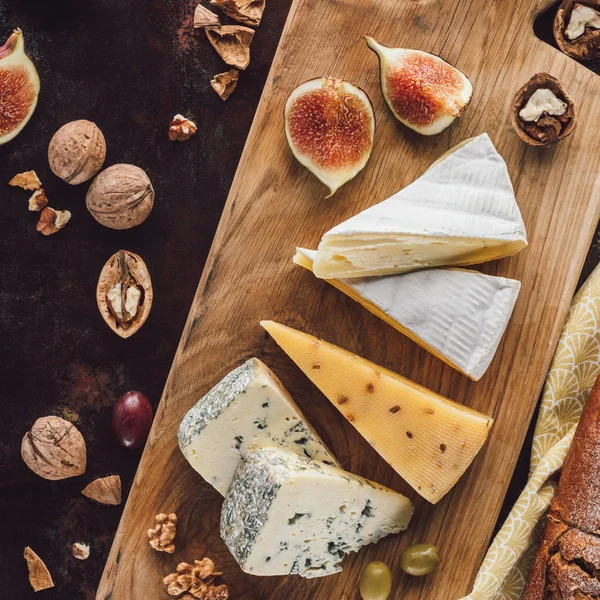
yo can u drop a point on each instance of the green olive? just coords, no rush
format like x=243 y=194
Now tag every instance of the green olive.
x=420 y=559
x=375 y=581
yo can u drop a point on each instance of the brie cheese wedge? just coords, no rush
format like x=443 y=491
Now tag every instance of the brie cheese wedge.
x=459 y=316
x=462 y=211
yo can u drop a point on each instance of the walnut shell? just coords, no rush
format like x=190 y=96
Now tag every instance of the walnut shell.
x=123 y=271
x=120 y=197
x=587 y=46
x=77 y=151
x=548 y=130
x=232 y=42
x=54 y=449
x=105 y=490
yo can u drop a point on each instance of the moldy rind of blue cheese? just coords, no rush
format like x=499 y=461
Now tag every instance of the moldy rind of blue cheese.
x=287 y=515
x=249 y=408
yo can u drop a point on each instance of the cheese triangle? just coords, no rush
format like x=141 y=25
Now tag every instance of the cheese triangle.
x=462 y=211
x=429 y=440
x=459 y=316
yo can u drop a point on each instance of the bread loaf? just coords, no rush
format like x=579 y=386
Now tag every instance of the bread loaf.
x=567 y=564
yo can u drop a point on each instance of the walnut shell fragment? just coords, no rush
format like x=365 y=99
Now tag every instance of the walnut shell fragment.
x=105 y=490
x=124 y=293
x=549 y=126
x=52 y=220
x=39 y=576
x=120 y=197
x=225 y=83
x=204 y=17
x=577 y=29
x=248 y=12
x=54 y=449
x=77 y=151
x=232 y=42
x=27 y=180
x=38 y=200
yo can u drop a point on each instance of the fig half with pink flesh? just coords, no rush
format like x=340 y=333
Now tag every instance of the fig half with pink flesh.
x=329 y=124
x=19 y=87
x=423 y=91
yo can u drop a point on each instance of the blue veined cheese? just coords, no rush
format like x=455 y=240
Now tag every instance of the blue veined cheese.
x=287 y=515
x=249 y=408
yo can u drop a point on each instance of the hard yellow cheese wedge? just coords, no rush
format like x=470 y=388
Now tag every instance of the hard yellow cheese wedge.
x=429 y=440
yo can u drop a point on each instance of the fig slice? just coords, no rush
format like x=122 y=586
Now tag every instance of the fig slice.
x=330 y=124
x=19 y=87
x=577 y=29
x=543 y=113
x=423 y=91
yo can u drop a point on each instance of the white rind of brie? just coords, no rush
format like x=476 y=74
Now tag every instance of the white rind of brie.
x=462 y=211
x=581 y=17
x=459 y=316
x=542 y=101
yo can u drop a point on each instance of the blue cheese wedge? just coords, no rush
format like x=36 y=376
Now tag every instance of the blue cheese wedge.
x=462 y=211
x=287 y=515
x=249 y=408
x=459 y=316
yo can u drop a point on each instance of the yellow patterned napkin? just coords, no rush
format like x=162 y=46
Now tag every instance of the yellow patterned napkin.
x=574 y=369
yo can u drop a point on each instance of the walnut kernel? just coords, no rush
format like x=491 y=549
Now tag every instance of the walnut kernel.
x=197 y=579
x=105 y=490
x=81 y=550
x=181 y=129
x=77 y=151
x=162 y=535
x=120 y=197
x=54 y=449
x=52 y=220
x=38 y=200
x=27 y=180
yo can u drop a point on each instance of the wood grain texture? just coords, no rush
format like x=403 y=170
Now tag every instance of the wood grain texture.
x=275 y=204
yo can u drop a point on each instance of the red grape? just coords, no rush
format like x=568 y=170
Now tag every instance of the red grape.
x=132 y=419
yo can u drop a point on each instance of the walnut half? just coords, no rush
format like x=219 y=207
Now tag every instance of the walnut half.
x=162 y=535
x=543 y=113
x=124 y=293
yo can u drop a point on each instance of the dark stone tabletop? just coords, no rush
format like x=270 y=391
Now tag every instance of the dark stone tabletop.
x=129 y=66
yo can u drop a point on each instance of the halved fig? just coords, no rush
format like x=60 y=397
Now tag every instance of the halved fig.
x=542 y=112
x=19 y=87
x=577 y=29
x=329 y=124
x=423 y=91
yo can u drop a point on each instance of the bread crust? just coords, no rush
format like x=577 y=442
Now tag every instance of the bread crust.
x=567 y=563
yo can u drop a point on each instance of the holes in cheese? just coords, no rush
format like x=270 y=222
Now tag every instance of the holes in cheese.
x=428 y=439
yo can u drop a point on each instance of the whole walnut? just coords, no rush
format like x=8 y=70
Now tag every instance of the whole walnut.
x=54 y=449
x=120 y=197
x=77 y=151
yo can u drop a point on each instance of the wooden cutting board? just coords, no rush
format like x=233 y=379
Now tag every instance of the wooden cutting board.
x=275 y=204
